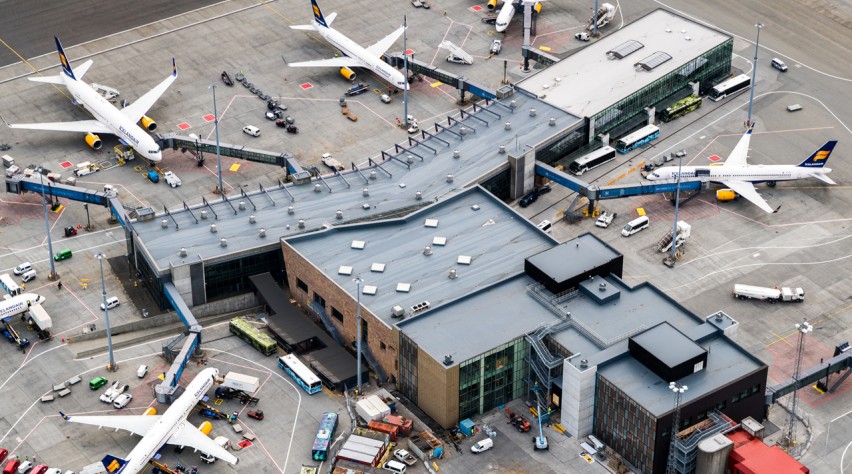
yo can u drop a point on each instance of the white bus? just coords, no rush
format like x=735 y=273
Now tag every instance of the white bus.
x=637 y=138
x=300 y=373
x=9 y=285
x=730 y=86
x=592 y=160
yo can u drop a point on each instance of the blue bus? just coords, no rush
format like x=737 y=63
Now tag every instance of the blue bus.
x=300 y=373
x=637 y=138
x=325 y=434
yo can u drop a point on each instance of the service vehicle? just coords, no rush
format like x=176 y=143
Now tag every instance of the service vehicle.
x=605 y=219
x=496 y=46
x=779 y=65
x=12 y=466
x=773 y=295
x=357 y=89
x=331 y=162
x=270 y=116
x=12 y=171
x=122 y=400
x=221 y=441
x=53 y=470
x=113 y=392
x=20 y=270
x=582 y=36
x=40 y=469
x=395 y=467
x=3 y=454
x=640 y=223
x=111 y=303
x=70 y=231
x=251 y=130
x=97 y=383
x=790 y=108
x=29 y=276
x=530 y=198
x=63 y=254
x=171 y=179
x=483 y=445
x=256 y=414
x=226 y=78
x=142 y=371
x=153 y=177
x=8 y=161
x=25 y=467
x=386 y=99
x=545 y=226
x=404 y=456
x=85 y=168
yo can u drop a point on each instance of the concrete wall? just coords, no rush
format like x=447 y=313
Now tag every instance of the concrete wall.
x=578 y=399
x=382 y=338
x=438 y=389
x=183 y=283
x=522 y=173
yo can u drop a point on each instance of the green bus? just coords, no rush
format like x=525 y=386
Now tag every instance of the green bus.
x=681 y=108
x=253 y=335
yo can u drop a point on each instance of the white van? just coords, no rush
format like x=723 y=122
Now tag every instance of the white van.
x=545 y=226
x=251 y=130
x=28 y=276
x=635 y=225
x=395 y=466
x=779 y=65
x=483 y=445
x=142 y=371
x=23 y=268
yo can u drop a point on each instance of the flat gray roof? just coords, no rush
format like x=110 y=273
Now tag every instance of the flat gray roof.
x=478 y=156
x=668 y=345
x=476 y=324
x=494 y=237
x=587 y=82
x=573 y=257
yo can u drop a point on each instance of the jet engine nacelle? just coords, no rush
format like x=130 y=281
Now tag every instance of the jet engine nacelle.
x=94 y=141
x=492 y=4
x=537 y=7
x=148 y=123
x=347 y=73
x=151 y=411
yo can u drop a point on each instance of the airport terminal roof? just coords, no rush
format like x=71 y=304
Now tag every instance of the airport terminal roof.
x=588 y=82
x=390 y=193
x=473 y=233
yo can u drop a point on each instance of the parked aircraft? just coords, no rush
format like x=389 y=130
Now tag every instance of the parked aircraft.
x=19 y=304
x=507 y=12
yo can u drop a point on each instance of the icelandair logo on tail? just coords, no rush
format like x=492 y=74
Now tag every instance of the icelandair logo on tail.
x=821 y=155
x=113 y=466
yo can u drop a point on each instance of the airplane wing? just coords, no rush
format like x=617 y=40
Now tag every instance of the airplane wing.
x=740 y=152
x=379 y=48
x=746 y=190
x=136 y=110
x=342 y=61
x=135 y=424
x=188 y=435
x=81 y=126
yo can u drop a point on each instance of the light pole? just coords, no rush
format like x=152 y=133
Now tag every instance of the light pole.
x=678 y=390
x=759 y=27
x=677 y=204
x=405 y=85
x=218 y=154
x=52 y=276
x=111 y=367
x=358 y=282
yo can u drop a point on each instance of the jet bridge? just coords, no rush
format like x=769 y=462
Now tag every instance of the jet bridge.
x=459 y=82
x=166 y=391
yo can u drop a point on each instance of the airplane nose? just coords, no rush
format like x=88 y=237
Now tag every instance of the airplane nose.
x=158 y=156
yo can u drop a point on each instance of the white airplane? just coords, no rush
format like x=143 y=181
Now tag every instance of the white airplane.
x=354 y=55
x=156 y=430
x=740 y=177
x=19 y=304
x=108 y=119
x=508 y=12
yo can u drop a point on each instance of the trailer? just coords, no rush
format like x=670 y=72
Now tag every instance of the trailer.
x=246 y=383
x=773 y=295
x=372 y=408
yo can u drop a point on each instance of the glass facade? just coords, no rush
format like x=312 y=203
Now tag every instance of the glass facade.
x=623 y=425
x=706 y=69
x=498 y=185
x=408 y=367
x=231 y=278
x=493 y=378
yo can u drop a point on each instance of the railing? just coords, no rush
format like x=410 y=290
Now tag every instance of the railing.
x=329 y=326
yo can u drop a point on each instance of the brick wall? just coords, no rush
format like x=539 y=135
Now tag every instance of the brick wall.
x=438 y=389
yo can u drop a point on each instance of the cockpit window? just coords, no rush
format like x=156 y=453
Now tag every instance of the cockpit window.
x=655 y=175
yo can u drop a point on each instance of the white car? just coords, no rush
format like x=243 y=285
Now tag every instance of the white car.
x=122 y=400
x=496 y=46
x=386 y=98
x=251 y=130
x=481 y=446
x=113 y=392
x=605 y=219
x=53 y=470
x=23 y=268
x=25 y=467
x=111 y=303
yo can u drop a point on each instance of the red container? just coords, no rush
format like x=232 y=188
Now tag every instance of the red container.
x=388 y=428
x=404 y=424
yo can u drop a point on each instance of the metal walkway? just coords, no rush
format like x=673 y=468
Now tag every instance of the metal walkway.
x=165 y=391
x=459 y=82
x=839 y=363
x=19 y=184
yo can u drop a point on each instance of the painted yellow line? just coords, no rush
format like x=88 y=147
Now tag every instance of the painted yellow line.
x=436 y=84
x=544 y=48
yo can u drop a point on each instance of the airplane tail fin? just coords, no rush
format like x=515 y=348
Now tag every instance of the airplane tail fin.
x=66 y=67
x=64 y=416
x=113 y=464
x=818 y=159
x=318 y=14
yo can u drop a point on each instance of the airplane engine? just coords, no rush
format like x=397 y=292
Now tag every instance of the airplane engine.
x=725 y=195
x=148 y=123
x=94 y=141
x=492 y=4
x=347 y=73
x=151 y=411
x=205 y=427
x=537 y=7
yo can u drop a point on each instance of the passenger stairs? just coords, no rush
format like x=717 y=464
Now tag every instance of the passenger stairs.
x=683 y=233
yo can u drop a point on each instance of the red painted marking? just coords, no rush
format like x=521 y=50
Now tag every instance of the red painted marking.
x=66 y=164
x=306 y=86
x=209 y=118
x=476 y=8
x=714 y=158
x=409 y=52
x=244 y=444
x=184 y=125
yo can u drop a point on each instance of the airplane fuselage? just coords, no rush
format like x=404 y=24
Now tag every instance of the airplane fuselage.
x=170 y=422
x=748 y=173
x=110 y=116
x=19 y=304
x=505 y=16
x=361 y=55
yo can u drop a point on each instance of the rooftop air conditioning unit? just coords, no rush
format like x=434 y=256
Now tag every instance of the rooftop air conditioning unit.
x=422 y=306
x=397 y=311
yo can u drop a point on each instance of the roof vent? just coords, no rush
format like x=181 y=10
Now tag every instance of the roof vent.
x=513 y=103
x=719 y=316
x=532 y=112
x=624 y=49
x=242 y=205
x=409 y=158
x=301 y=223
x=427 y=250
x=464 y=260
x=291 y=210
x=183 y=251
x=344 y=270
x=397 y=311
x=365 y=206
x=213 y=228
x=668 y=30
x=358 y=244
x=365 y=192
x=262 y=232
x=431 y=222
x=448 y=360
x=373 y=174
x=203 y=215
x=418 y=195
x=502 y=149
x=687 y=38
x=450 y=178
x=422 y=306
x=252 y=219
x=475 y=207
x=317 y=188
x=223 y=242
x=584 y=363
x=552 y=121
x=456 y=154
x=462 y=131
x=403 y=287
x=652 y=61
x=452 y=275
x=164 y=223
x=338 y=214
x=507 y=126
x=439 y=241
x=602 y=286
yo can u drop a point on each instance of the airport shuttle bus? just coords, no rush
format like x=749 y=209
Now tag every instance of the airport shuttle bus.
x=300 y=373
x=681 y=108
x=325 y=434
x=9 y=285
x=253 y=335
x=637 y=138
x=592 y=160
x=728 y=87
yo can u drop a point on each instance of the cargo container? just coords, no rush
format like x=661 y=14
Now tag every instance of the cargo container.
x=381 y=427
x=242 y=382
x=403 y=423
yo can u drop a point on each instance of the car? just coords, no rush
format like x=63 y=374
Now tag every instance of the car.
x=279 y=112
x=53 y=470
x=63 y=254
x=122 y=400
x=256 y=414
x=794 y=108
x=30 y=275
x=111 y=303
x=3 y=454
x=530 y=198
x=142 y=371
x=496 y=46
x=153 y=177
x=272 y=104
x=386 y=99
x=543 y=189
x=20 y=270
x=779 y=65
x=40 y=469
x=25 y=467
x=70 y=231
x=251 y=130
x=582 y=36
x=97 y=383
x=11 y=467
x=482 y=446
x=270 y=116
x=605 y=219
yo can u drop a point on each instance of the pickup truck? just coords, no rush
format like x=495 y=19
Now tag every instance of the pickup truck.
x=171 y=179
x=404 y=456
x=605 y=219
x=113 y=392
x=332 y=163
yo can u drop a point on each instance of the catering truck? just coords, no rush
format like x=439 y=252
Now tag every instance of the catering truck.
x=773 y=295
